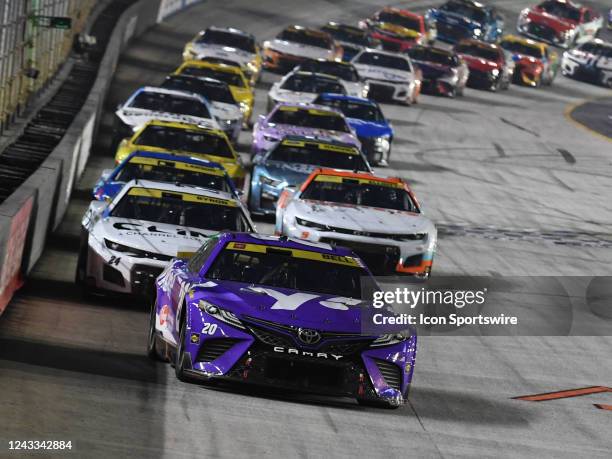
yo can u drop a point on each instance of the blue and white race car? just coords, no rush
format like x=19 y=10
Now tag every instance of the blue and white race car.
x=163 y=167
x=457 y=20
x=373 y=130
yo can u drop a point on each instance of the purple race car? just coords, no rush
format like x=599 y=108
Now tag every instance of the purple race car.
x=282 y=313
x=303 y=120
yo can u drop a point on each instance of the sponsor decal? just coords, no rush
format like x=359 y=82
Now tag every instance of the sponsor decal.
x=308 y=336
x=316 y=355
x=322 y=146
x=297 y=253
x=152 y=230
x=195 y=338
x=360 y=181
x=175 y=165
x=187 y=197
x=163 y=314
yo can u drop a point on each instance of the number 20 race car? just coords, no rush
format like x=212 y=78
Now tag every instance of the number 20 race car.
x=277 y=312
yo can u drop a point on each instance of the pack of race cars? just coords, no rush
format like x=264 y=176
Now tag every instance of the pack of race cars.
x=172 y=220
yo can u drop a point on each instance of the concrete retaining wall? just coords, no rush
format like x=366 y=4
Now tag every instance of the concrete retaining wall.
x=38 y=206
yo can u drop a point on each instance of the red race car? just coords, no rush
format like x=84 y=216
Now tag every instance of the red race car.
x=399 y=30
x=562 y=23
x=488 y=64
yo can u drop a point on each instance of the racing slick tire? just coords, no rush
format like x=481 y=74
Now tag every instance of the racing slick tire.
x=152 y=350
x=81 y=267
x=80 y=275
x=179 y=355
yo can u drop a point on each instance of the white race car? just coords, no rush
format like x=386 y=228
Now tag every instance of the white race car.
x=591 y=61
x=391 y=77
x=297 y=44
x=228 y=44
x=344 y=71
x=127 y=242
x=223 y=106
x=378 y=218
x=303 y=88
x=151 y=103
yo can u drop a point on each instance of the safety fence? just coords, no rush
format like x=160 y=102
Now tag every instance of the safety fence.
x=35 y=39
x=37 y=206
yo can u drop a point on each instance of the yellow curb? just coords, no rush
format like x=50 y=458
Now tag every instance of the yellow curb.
x=568 y=115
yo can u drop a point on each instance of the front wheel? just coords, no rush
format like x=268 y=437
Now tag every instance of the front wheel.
x=152 y=351
x=377 y=404
x=179 y=364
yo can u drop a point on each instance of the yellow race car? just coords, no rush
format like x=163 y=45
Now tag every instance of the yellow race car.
x=232 y=75
x=185 y=139
x=226 y=44
x=535 y=63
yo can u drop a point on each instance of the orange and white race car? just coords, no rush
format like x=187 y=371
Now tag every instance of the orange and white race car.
x=379 y=218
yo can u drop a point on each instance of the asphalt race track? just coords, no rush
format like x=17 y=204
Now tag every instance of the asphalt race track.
x=516 y=189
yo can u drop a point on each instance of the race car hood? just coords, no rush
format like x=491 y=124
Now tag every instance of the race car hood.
x=433 y=70
x=152 y=237
x=524 y=59
x=136 y=117
x=284 y=95
x=292 y=173
x=383 y=73
x=298 y=49
x=361 y=218
x=223 y=111
x=284 y=306
x=556 y=23
x=479 y=63
x=369 y=128
x=281 y=130
x=204 y=50
x=397 y=30
x=455 y=19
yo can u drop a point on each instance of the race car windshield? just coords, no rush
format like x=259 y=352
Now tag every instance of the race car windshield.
x=343 y=71
x=598 y=49
x=216 y=92
x=478 y=51
x=187 y=140
x=356 y=37
x=384 y=60
x=312 y=83
x=171 y=172
x=170 y=208
x=305 y=37
x=516 y=47
x=277 y=268
x=432 y=55
x=359 y=193
x=357 y=110
x=400 y=20
x=304 y=118
x=170 y=103
x=561 y=10
x=466 y=10
x=231 y=78
x=311 y=154
x=232 y=40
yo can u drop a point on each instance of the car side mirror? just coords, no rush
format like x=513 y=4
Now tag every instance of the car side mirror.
x=106 y=173
x=97 y=207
